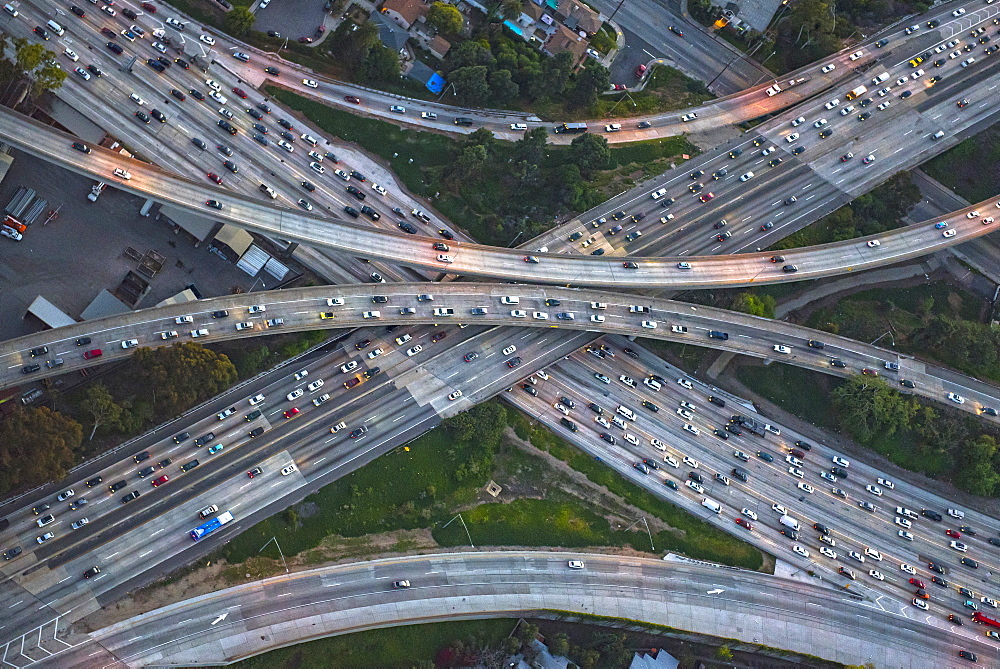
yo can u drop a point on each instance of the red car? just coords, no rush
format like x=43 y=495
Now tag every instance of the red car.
x=742 y=522
x=215 y=177
x=439 y=336
x=294 y=411
x=149 y=7
x=917 y=582
x=869 y=372
x=305 y=40
x=618 y=87
x=953 y=534
x=160 y=481
x=350 y=383
x=353 y=99
x=706 y=197
x=640 y=71
x=96 y=353
x=240 y=92
x=256 y=471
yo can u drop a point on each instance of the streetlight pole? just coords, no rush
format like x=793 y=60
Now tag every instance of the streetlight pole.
x=275 y=540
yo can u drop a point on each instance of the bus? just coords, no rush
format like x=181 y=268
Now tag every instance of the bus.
x=211 y=526
x=570 y=128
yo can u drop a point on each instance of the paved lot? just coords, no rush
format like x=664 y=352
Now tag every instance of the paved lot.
x=72 y=258
x=292 y=18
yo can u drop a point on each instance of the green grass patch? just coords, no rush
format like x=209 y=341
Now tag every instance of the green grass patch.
x=799 y=391
x=971 y=167
x=666 y=90
x=402 y=647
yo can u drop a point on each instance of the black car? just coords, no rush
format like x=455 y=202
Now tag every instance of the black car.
x=76 y=10
x=28 y=369
x=308 y=186
x=287 y=136
x=178 y=94
x=204 y=439
x=227 y=126
x=129 y=497
x=256 y=432
x=272 y=70
x=261 y=128
x=142 y=116
x=933 y=515
x=717 y=401
x=231 y=166
x=158 y=115
x=649 y=405
x=284 y=124
x=407 y=227
x=155 y=64
x=41 y=508
x=969 y=562
x=130 y=13
x=139 y=457
x=97 y=480
x=196 y=94
x=838 y=472
x=359 y=432
x=116 y=48
x=187 y=466
x=765 y=456
x=351 y=211
x=608 y=438
x=721 y=434
x=41 y=350
x=261 y=139
x=446 y=234
x=115 y=487
x=256 y=114
x=530 y=389
x=357 y=175
x=790 y=533
x=83 y=341
x=183 y=63
x=370 y=213
x=735 y=429
x=356 y=192
x=183 y=436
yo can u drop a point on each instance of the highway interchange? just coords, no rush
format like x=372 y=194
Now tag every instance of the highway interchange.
x=553 y=345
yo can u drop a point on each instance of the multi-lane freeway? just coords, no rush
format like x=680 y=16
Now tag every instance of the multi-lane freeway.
x=755 y=608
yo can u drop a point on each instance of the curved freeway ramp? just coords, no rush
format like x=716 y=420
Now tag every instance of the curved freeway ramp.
x=246 y=620
x=486 y=261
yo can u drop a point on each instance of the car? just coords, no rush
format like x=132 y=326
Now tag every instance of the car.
x=903 y=522
x=828 y=68
x=873 y=489
x=953 y=534
x=955 y=397
x=958 y=546
x=310 y=83
x=828 y=552
x=908 y=569
x=920 y=604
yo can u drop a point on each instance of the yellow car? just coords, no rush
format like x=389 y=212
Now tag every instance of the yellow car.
x=916 y=61
x=326 y=314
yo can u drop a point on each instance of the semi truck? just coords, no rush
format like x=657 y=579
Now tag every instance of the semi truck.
x=856 y=92
x=983 y=619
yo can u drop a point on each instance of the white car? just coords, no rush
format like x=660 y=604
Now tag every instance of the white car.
x=955 y=513
x=958 y=12
x=315 y=385
x=317 y=168
x=169 y=334
x=828 y=68
x=684 y=413
x=295 y=394
x=828 y=540
x=792 y=460
x=627 y=380
x=301 y=374
x=691 y=462
x=827 y=552
x=972 y=214
x=797 y=473
x=820 y=123
x=66 y=495
x=218 y=97
x=777 y=508
x=837 y=460
x=672 y=461
x=847 y=110
x=876 y=574
x=886 y=483
x=45 y=537
x=920 y=604
x=413 y=351
x=832 y=103
x=791 y=138
x=959 y=546
x=130 y=343
x=214 y=85
x=903 y=534
x=519 y=313
x=349 y=366
x=684 y=383
x=379 y=189
x=310 y=83
x=799 y=121
x=520 y=127
x=69 y=53
x=903 y=522
x=602 y=421
x=768 y=151
x=854 y=555
x=601 y=377
x=398 y=109
x=806 y=487
x=873 y=554
x=857 y=54
x=778 y=348
x=874 y=243
x=988 y=601
x=455 y=395
x=749 y=514
x=256 y=399
x=874 y=489
x=631 y=438
x=800 y=550
x=207 y=40
x=901 y=81
x=83 y=73
x=657 y=444
x=908 y=569
x=883 y=106
x=649 y=325
x=575 y=564
x=561 y=408
x=596 y=318
x=956 y=398
x=80 y=523
x=694 y=486
x=828 y=476
x=741 y=455
x=968 y=61
x=540 y=316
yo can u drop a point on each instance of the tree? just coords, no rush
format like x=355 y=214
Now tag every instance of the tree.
x=510 y=9
x=469 y=54
x=870 y=408
x=101 y=406
x=181 y=375
x=590 y=153
x=724 y=653
x=558 y=70
x=381 y=64
x=37 y=64
x=472 y=159
x=559 y=644
x=589 y=84
x=503 y=87
x=753 y=304
x=446 y=18
x=975 y=472
x=28 y=55
x=36 y=445
x=471 y=85
x=239 y=21
x=485 y=422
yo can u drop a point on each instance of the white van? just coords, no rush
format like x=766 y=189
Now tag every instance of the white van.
x=309 y=139
x=10 y=9
x=625 y=411
x=509 y=299
x=652 y=383
x=55 y=27
x=711 y=505
x=880 y=78
x=903 y=511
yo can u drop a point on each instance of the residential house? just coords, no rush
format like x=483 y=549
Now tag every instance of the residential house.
x=391 y=34
x=404 y=12
x=579 y=17
x=564 y=39
x=439 y=47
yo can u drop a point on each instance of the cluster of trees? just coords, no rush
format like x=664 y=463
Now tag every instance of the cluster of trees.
x=521 y=186
x=36 y=445
x=754 y=304
x=495 y=70
x=970 y=346
x=33 y=70
x=361 y=52
x=871 y=410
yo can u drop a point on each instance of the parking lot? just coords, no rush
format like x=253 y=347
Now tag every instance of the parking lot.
x=69 y=260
